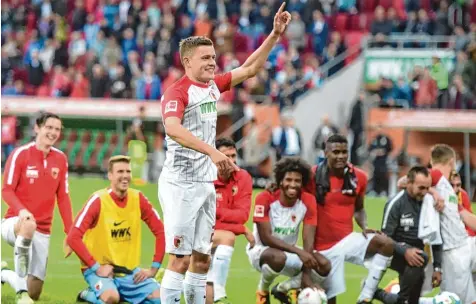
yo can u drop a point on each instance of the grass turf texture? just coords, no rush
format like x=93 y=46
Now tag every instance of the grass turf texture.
x=64 y=280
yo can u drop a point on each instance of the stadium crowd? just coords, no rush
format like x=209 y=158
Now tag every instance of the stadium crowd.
x=129 y=49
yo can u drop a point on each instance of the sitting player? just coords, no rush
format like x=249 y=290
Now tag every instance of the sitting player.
x=277 y=218
x=107 y=238
x=233 y=194
x=339 y=188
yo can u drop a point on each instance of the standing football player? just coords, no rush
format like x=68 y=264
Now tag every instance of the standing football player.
x=339 y=188
x=186 y=191
x=457 y=250
x=233 y=209
x=278 y=217
x=107 y=239
x=36 y=175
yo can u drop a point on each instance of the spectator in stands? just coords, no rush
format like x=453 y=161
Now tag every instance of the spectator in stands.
x=78 y=19
x=47 y=54
x=286 y=139
x=148 y=87
x=459 y=95
x=80 y=86
x=442 y=27
x=165 y=50
x=14 y=90
x=381 y=27
x=423 y=27
x=469 y=72
x=99 y=82
x=380 y=149
x=461 y=40
x=186 y=29
x=356 y=127
x=296 y=31
x=77 y=47
x=427 y=91
x=440 y=74
x=120 y=87
x=35 y=69
x=325 y=130
x=320 y=32
x=347 y=6
x=394 y=20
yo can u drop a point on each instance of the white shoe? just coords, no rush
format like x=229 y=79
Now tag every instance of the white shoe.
x=24 y=298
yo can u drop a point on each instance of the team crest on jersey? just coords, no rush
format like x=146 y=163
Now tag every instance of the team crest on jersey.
x=178 y=241
x=171 y=106
x=259 y=211
x=234 y=190
x=55 y=172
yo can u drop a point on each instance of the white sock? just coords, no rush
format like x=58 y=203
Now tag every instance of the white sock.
x=267 y=277
x=194 y=288
x=22 y=255
x=11 y=277
x=292 y=266
x=291 y=283
x=425 y=301
x=171 y=287
x=221 y=266
x=377 y=269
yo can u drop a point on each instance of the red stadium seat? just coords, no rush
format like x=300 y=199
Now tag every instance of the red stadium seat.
x=386 y=3
x=354 y=22
x=341 y=23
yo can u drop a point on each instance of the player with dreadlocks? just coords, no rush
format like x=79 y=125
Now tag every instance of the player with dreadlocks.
x=277 y=219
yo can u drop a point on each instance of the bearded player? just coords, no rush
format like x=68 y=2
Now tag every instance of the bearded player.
x=186 y=190
x=339 y=188
x=233 y=209
x=36 y=175
x=278 y=217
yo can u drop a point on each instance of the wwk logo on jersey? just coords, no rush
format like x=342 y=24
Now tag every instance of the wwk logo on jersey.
x=171 y=106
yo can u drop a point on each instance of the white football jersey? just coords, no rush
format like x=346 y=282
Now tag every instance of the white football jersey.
x=285 y=220
x=453 y=231
x=196 y=105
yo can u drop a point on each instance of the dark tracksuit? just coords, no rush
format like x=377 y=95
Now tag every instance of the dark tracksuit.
x=400 y=223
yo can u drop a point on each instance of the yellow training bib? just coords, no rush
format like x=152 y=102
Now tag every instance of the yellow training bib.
x=116 y=238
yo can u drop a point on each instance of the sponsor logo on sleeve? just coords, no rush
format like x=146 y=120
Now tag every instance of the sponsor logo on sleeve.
x=259 y=211
x=171 y=106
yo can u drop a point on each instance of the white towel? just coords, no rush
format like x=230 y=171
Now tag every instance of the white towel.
x=429 y=229
x=429 y=233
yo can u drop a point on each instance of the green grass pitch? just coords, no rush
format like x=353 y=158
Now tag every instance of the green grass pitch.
x=64 y=280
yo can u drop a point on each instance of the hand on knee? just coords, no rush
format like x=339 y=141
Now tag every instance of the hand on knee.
x=27 y=228
x=110 y=296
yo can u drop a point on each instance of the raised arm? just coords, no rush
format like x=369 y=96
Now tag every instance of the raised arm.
x=257 y=60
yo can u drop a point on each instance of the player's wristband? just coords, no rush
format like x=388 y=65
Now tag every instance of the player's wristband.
x=156 y=265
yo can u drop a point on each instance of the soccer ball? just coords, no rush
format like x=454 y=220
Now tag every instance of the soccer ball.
x=446 y=298
x=312 y=296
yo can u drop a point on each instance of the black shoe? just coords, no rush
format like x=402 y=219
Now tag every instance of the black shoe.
x=280 y=296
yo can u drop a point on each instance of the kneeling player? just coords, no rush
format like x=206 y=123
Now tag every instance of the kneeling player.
x=107 y=238
x=233 y=209
x=277 y=219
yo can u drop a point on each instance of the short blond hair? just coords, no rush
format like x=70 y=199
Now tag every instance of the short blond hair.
x=117 y=159
x=188 y=45
x=442 y=154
